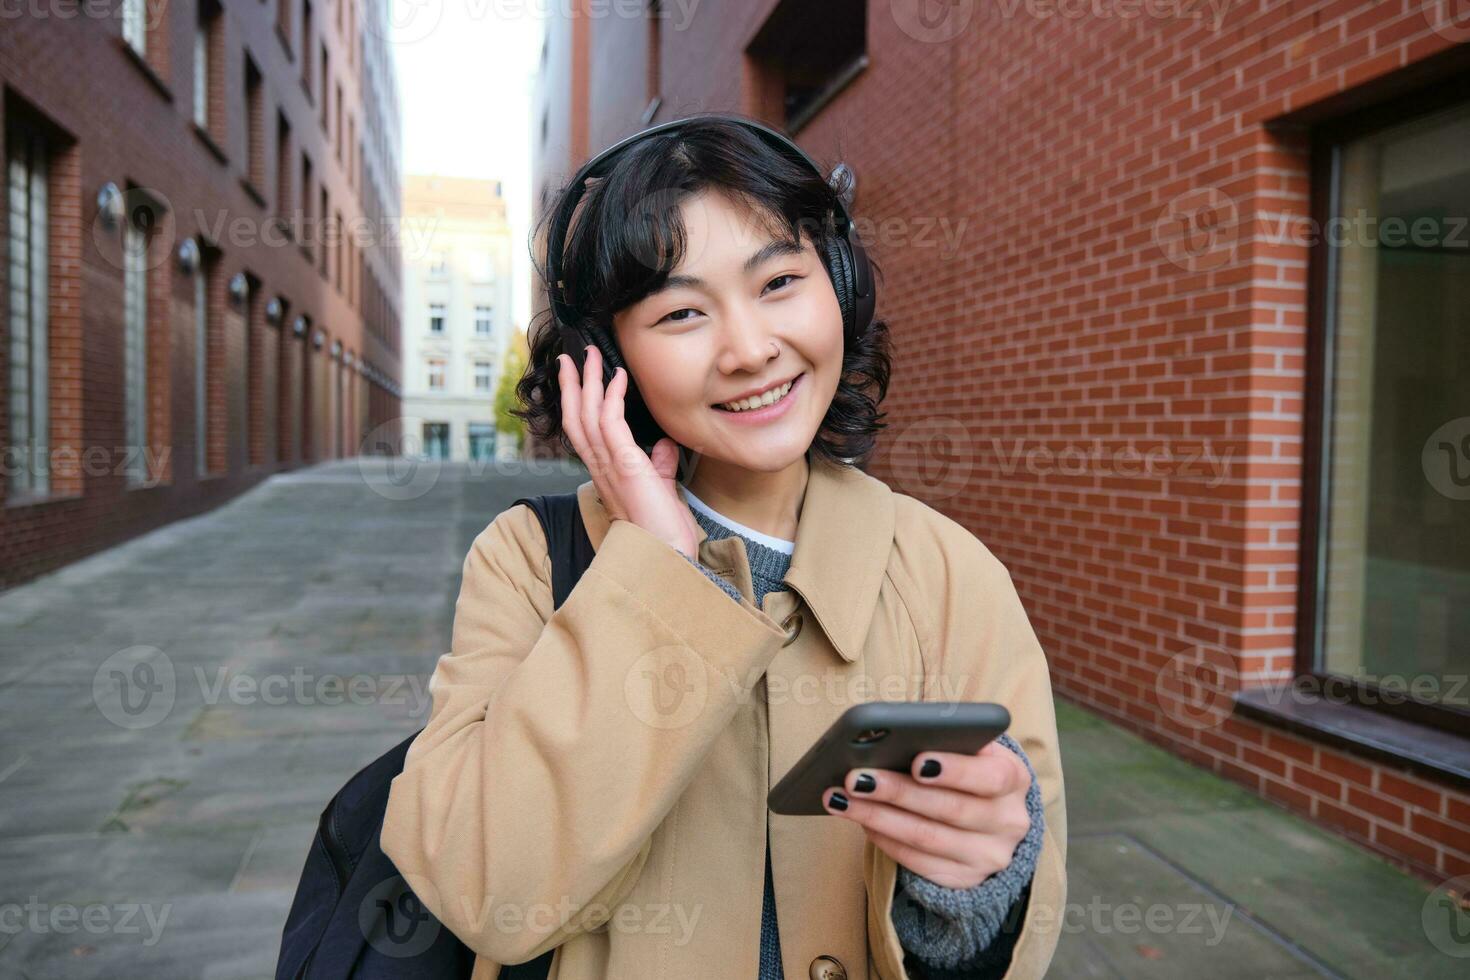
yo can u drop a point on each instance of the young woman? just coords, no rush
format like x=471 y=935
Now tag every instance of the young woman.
x=593 y=780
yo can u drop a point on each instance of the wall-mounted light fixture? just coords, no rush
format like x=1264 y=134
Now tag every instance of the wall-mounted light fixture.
x=188 y=255
x=275 y=310
x=318 y=339
x=239 y=287
x=299 y=327
x=109 y=205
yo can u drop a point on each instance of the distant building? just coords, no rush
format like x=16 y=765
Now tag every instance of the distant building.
x=1181 y=312
x=199 y=284
x=457 y=299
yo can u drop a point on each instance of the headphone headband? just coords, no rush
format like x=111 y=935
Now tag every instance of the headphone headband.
x=603 y=162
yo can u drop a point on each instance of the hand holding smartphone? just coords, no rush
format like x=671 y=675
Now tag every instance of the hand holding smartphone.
x=884 y=735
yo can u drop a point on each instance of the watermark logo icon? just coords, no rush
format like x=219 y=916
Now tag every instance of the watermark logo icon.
x=1197 y=687
x=135 y=687
x=932 y=21
x=667 y=687
x=1446 y=917
x=1446 y=459
x=394 y=919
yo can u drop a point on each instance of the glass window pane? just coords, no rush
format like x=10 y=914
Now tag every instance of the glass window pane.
x=1396 y=602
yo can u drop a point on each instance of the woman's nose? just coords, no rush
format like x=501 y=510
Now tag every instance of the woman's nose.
x=748 y=346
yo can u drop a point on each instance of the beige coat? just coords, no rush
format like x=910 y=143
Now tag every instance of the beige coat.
x=595 y=780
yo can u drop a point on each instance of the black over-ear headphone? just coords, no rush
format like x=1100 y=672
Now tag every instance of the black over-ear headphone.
x=844 y=257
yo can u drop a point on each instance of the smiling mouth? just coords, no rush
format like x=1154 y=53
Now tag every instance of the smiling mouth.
x=764 y=400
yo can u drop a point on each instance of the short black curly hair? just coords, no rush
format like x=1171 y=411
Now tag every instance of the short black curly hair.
x=622 y=249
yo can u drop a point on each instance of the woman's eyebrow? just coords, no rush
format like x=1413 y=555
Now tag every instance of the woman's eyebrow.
x=768 y=251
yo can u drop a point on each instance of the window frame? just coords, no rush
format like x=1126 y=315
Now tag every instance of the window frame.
x=1327 y=141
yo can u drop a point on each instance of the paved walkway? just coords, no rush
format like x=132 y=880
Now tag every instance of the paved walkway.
x=175 y=712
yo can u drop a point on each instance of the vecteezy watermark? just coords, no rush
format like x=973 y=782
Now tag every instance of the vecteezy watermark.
x=1446 y=459
x=937 y=21
x=393 y=462
x=1115 y=458
x=936 y=457
x=411 y=21
x=1445 y=917
x=138 y=687
x=1450 y=19
x=152 y=13
x=932 y=458
x=670 y=687
x=1100 y=918
x=1202 y=228
x=1357 y=686
x=92 y=461
x=397 y=920
x=98 y=919
x=1197 y=687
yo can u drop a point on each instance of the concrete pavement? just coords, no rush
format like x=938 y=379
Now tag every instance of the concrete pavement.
x=175 y=712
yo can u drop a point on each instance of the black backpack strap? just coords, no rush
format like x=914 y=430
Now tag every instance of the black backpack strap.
x=566 y=540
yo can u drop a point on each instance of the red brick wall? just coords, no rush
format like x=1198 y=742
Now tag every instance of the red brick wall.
x=128 y=121
x=1066 y=311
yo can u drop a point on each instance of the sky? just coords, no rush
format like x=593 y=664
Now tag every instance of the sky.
x=465 y=75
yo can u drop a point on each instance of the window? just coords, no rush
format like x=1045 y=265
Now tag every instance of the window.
x=306 y=46
x=483 y=321
x=201 y=67
x=326 y=89
x=809 y=52
x=1392 y=537
x=654 y=41
x=283 y=23
x=304 y=234
x=135 y=29
x=483 y=375
x=283 y=164
x=201 y=371
x=209 y=69
x=436 y=374
x=135 y=342
x=324 y=219
x=438 y=264
x=27 y=282
x=436 y=318
x=254 y=126
x=436 y=440
x=482 y=440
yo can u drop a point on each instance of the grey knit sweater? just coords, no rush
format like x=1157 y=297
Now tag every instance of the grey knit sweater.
x=945 y=932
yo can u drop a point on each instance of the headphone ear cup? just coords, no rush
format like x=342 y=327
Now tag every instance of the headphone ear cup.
x=840 y=271
x=864 y=304
x=640 y=420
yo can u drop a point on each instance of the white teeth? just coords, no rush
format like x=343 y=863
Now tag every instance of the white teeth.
x=770 y=397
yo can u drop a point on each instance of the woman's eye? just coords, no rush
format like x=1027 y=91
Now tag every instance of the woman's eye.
x=677 y=319
x=674 y=318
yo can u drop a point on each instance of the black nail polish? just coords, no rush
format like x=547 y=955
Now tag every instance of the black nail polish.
x=838 y=801
x=865 y=783
x=929 y=769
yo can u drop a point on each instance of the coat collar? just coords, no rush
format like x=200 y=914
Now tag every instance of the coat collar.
x=843 y=539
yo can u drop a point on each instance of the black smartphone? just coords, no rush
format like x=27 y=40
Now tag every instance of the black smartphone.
x=884 y=735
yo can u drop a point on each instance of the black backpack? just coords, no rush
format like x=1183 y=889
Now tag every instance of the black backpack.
x=353 y=915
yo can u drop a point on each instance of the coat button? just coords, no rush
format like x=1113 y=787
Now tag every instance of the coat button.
x=792 y=625
x=828 y=968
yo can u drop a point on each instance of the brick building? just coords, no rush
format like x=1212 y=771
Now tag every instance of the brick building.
x=202 y=284
x=1161 y=310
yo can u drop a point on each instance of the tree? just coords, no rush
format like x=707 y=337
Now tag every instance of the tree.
x=512 y=366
